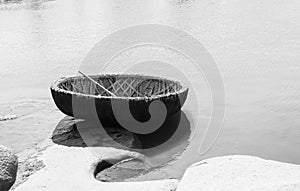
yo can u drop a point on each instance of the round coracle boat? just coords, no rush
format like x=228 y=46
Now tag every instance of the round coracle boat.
x=105 y=95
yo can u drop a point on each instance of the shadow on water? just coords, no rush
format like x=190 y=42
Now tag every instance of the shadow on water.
x=81 y=133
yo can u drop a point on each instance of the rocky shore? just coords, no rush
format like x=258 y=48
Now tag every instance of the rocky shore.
x=65 y=162
x=53 y=167
x=72 y=168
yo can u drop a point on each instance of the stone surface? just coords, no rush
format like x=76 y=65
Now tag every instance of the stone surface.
x=123 y=171
x=67 y=133
x=73 y=168
x=241 y=173
x=8 y=168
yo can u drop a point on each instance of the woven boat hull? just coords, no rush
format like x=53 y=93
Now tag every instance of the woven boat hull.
x=88 y=105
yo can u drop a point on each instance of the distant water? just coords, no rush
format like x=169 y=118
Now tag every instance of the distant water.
x=255 y=43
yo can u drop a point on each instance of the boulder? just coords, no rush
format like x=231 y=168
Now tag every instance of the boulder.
x=73 y=168
x=8 y=168
x=241 y=173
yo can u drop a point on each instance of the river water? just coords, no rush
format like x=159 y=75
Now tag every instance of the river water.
x=255 y=43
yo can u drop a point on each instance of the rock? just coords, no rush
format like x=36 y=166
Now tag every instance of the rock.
x=67 y=133
x=8 y=168
x=73 y=168
x=122 y=171
x=29 y=162
x=241 y=173
x=8 y=117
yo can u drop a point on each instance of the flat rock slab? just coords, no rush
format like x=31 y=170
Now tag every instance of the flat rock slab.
x=241 y=173
x=72 y=169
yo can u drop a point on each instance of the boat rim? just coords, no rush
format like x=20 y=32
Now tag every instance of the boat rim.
x=55 y=86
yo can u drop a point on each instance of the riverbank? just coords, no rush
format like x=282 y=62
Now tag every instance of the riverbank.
x=37 y=153
x=54 y=167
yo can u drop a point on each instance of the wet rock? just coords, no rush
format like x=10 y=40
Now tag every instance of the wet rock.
x=31 y=166
x=66 y=133
x=8 y=117
x=123 y=170
x=241 y=173
x=122 y=137
x=79 y=133
x=8 y=168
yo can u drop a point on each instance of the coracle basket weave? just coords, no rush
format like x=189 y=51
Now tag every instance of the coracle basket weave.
x=136 y=90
